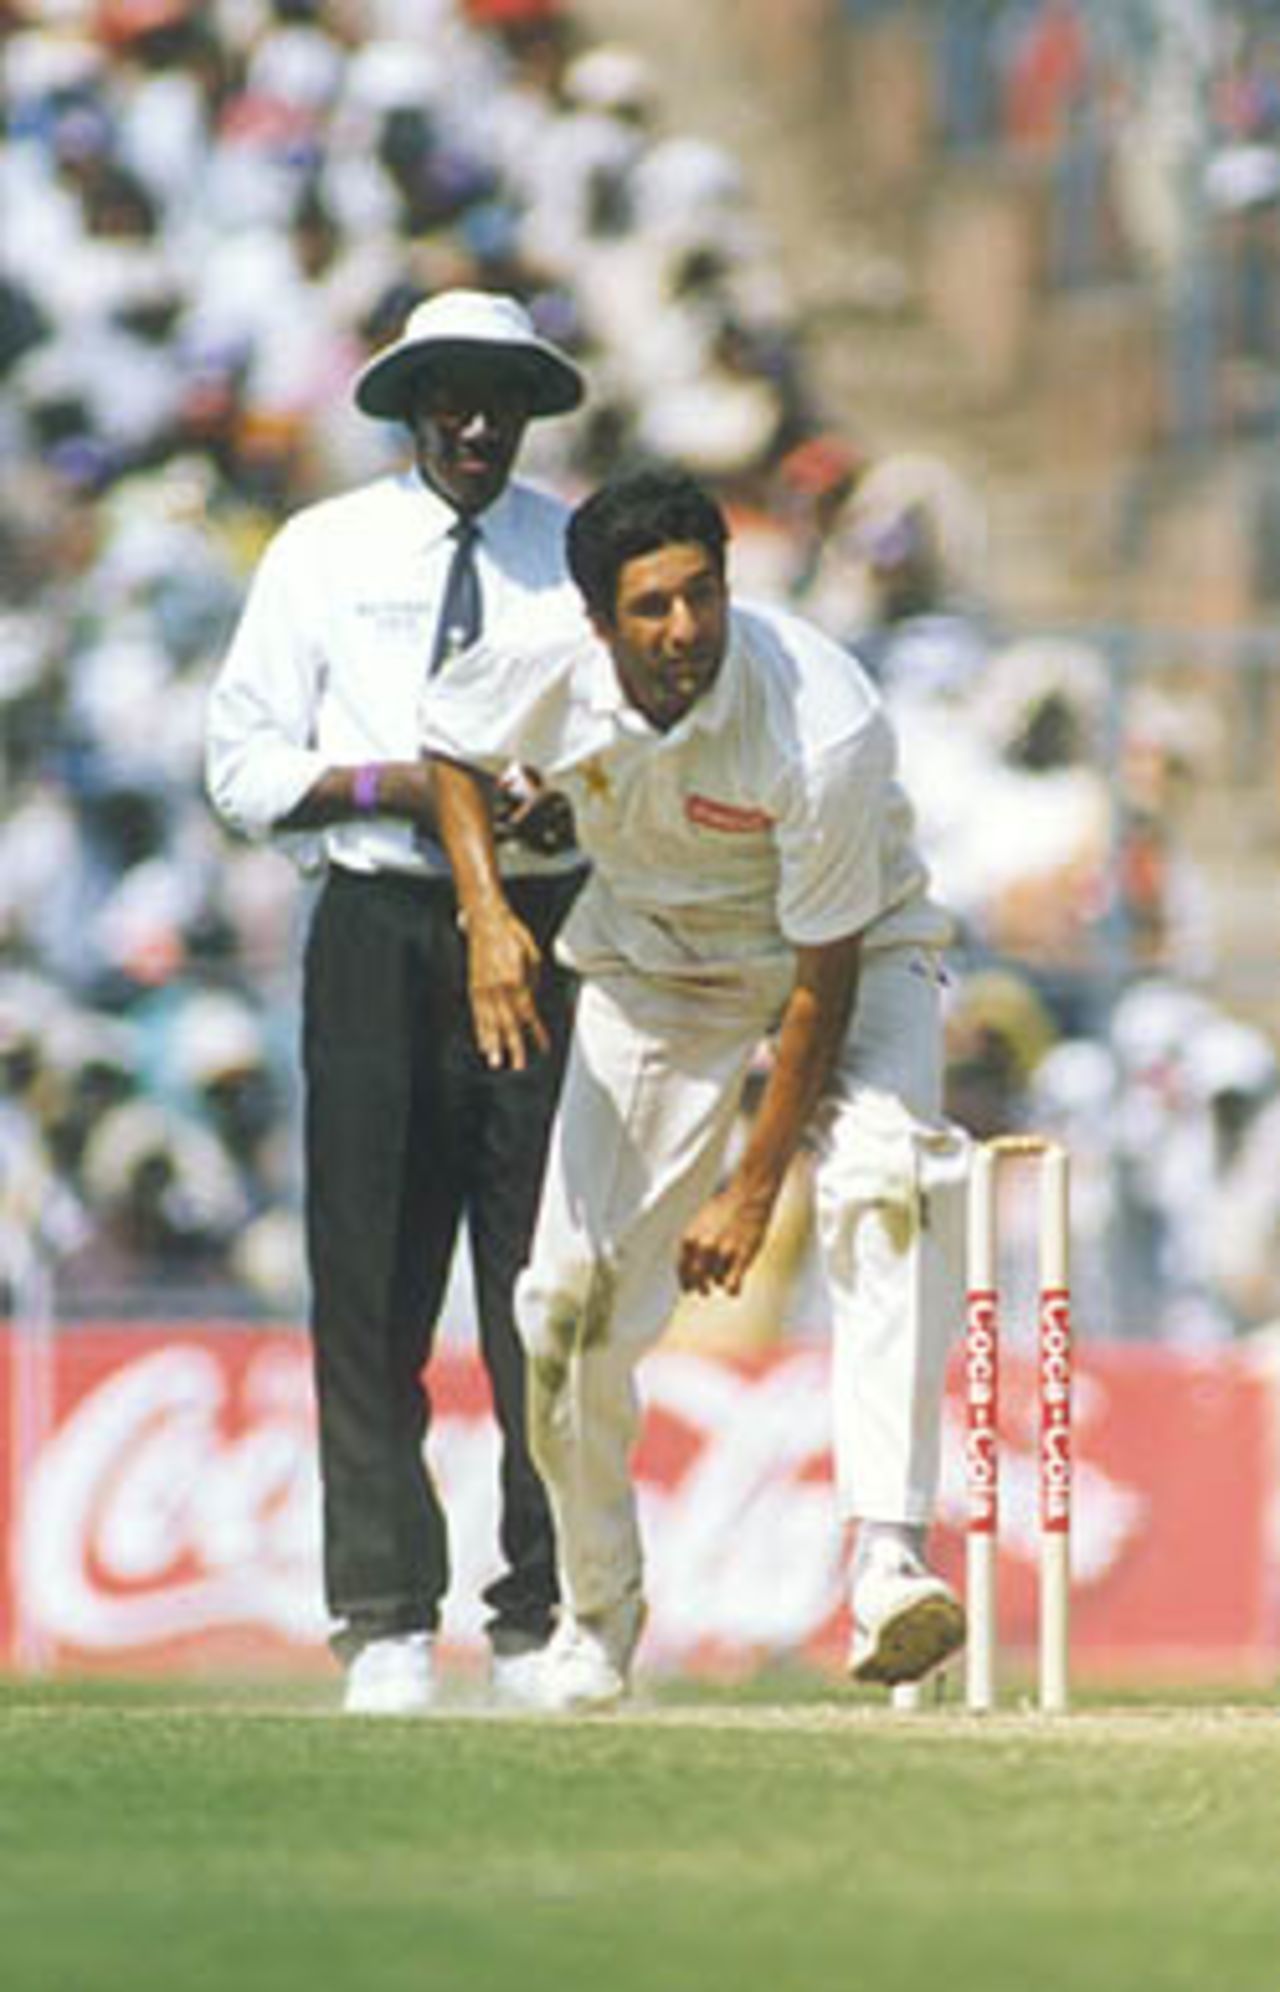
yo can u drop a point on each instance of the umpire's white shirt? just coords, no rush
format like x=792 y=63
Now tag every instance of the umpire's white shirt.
x=333 y=647
x=767 y=818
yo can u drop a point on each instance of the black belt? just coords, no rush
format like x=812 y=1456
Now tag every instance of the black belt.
x=437 y=888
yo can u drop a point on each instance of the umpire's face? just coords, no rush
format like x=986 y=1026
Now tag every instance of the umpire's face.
x=668 y=629
x=467 y=420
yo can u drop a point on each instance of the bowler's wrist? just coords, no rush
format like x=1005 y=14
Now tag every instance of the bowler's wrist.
x=755 y=1190
x=482 y=912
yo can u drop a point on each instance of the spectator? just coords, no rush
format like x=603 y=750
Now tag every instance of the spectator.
x=215 y=211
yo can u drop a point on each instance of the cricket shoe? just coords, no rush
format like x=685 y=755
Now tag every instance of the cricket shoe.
x=516 y=1679
x=394 y=1676
x=587 y=1664
x=906 y=1621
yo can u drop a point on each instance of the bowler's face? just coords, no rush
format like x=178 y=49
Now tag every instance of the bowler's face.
x=467 y=425
x=668 y=630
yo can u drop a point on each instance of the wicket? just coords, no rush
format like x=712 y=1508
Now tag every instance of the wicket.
x=982 y=1418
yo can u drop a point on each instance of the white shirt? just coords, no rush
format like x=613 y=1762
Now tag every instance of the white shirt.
x=334 y=645
x=767 y=819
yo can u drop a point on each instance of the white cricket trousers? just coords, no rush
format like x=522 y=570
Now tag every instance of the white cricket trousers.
x=649 y=1102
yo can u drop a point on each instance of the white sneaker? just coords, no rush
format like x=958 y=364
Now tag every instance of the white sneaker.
x=516 y=1680
x=587 y=1664
x=393 y=1676
x=906 y=1621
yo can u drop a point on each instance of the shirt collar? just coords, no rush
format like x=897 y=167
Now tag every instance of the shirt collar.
x=604 y=693
x=711 y=711
x=606 y=697
x=438 y=517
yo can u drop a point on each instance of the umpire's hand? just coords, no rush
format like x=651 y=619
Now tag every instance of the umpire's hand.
x=526 y=811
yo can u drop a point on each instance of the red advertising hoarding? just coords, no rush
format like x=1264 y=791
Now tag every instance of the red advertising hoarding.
x=160 y=1507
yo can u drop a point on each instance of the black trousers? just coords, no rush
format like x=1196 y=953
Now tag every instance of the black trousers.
x=409 y=1138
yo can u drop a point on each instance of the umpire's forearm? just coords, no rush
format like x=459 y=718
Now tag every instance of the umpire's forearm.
x=402 y=789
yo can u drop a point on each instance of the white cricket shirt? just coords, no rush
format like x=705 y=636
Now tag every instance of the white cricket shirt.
x=768 y=818
x=333 y=648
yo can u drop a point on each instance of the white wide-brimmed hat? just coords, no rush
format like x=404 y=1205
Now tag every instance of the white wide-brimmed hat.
x=458 y=324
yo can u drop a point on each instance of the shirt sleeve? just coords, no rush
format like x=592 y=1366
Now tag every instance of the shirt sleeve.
x=507 y=699
x=831 y=838
x=260 y=756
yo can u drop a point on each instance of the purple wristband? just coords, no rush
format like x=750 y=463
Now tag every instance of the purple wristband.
x=364 y=788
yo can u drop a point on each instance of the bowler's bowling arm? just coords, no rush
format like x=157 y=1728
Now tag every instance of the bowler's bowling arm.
x=721 y=1242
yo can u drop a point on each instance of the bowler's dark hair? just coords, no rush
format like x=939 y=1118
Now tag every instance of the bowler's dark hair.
x=635 y=515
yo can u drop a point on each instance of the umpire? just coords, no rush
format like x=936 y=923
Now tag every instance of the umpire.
x=312 y=742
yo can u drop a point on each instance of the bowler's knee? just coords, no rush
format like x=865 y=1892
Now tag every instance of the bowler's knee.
x=562 y=1306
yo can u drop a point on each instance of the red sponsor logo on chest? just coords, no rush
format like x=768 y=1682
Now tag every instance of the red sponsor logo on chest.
x=713 y=815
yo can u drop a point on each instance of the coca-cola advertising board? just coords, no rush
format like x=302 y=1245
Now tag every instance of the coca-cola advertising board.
x=160 y=1506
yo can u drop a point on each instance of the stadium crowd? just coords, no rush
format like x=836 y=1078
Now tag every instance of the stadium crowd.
x=214 y=210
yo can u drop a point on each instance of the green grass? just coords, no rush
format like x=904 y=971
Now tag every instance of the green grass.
x=193 y=1837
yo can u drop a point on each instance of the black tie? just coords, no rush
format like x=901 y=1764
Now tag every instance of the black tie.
x=460 y=610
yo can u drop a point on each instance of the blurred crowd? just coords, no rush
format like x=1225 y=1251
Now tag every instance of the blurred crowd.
x=1157 y=123
x=214 y=210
